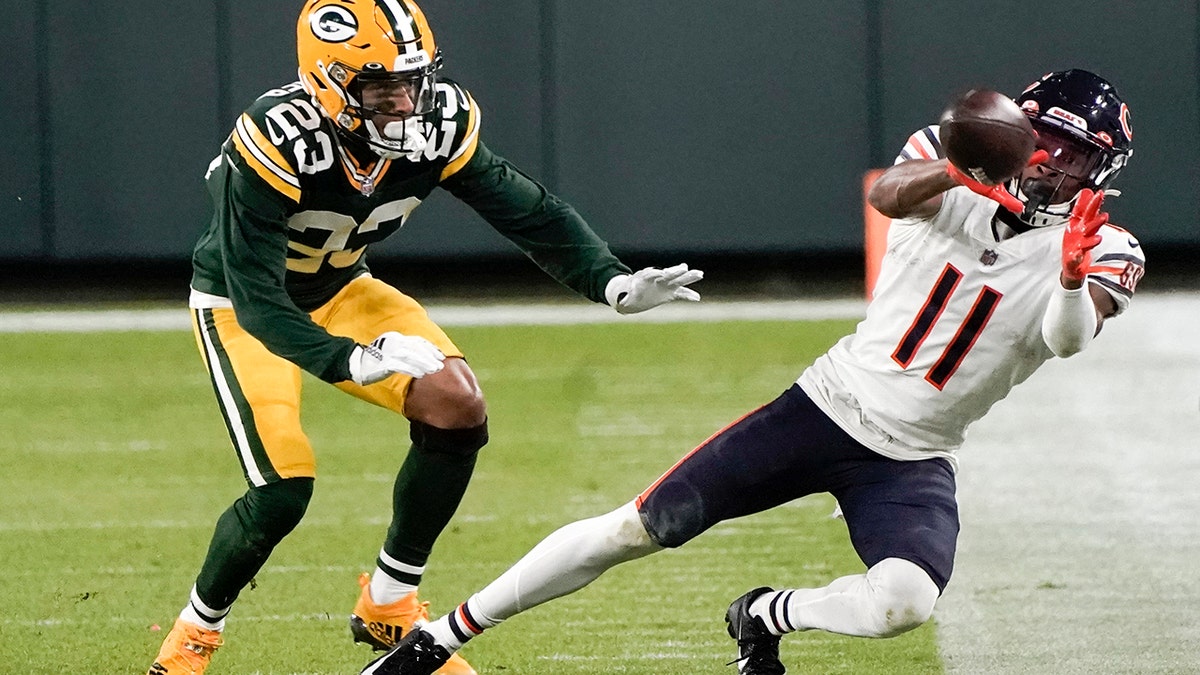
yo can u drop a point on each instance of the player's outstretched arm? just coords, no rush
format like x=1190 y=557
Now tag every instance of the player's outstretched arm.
x=911 y=189
x=1077 y=309
x=651 y=287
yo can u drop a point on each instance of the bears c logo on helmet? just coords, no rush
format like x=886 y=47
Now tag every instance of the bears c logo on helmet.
x=333 y=24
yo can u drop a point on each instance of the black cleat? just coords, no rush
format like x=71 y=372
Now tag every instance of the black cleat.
x=415 y=654
x=758 y=649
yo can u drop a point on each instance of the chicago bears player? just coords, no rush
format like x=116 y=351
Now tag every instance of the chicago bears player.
x=972 y=298
x=313 y=173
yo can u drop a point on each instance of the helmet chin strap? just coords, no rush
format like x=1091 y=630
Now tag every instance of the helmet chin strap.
x=1039 y=212
x=1037 y=195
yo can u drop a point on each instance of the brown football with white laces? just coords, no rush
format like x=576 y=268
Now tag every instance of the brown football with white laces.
x=987 y=136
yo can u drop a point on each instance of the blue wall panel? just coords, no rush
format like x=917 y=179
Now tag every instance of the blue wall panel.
x=712 y=127
x=728 y=126
x=934 y=49
x=21 y=231
x=133 y=112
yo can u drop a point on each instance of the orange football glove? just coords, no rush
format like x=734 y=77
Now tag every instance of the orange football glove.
x=1082 y=234
x=996 y=192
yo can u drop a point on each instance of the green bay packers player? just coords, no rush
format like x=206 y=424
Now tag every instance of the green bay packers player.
x=973 y=296
x=314 y=173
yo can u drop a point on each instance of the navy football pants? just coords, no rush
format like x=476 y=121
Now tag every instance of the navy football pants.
x=790 y=448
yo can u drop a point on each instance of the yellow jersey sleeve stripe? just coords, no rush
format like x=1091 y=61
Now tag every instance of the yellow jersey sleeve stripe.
x=264 y=158
x=466 y=150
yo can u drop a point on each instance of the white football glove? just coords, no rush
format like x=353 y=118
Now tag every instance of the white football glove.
x=392 y=353
x=651 y=287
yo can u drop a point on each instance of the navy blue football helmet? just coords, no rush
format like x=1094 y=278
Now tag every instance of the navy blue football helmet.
x=1084 y=126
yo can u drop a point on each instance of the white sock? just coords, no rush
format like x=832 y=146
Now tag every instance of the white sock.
x=894 y=596
x=385 y=590
x=454 y=629
x=569 y=559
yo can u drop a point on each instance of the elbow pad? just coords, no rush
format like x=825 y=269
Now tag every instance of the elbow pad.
x=1070 y=321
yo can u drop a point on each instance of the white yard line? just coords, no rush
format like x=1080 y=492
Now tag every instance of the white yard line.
x=462 y=315
x=1079 y=496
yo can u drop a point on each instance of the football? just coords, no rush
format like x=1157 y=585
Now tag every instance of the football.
x=987 y=136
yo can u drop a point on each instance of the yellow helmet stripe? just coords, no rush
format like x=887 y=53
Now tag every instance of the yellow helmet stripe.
x=264 y=158
x=466 y=149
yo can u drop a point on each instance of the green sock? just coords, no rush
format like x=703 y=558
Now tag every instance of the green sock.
x=245 y=535
x=428 y=489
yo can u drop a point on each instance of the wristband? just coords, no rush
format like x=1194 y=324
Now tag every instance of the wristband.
x=616 y=289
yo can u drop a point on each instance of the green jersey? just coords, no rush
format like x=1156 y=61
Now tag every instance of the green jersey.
x=296 y=210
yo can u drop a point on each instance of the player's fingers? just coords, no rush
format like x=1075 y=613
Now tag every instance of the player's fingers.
x=999 y=194
x=1093 y=226
x=688 y=277
x=1095 y=203
x=670 y=274
x=650 y=274
x=1081 y=203
x=1037 y=157
x=684 y=293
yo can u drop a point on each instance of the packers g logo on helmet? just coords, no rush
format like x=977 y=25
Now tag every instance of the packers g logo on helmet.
x=333 y=23
x=342 y=43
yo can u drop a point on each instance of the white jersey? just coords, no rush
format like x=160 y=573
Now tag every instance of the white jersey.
x=954 y=325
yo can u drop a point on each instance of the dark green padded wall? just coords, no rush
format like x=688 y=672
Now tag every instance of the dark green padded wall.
x=731 y=126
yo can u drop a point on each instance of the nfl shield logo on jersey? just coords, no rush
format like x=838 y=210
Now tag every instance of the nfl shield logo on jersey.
x=989 y=257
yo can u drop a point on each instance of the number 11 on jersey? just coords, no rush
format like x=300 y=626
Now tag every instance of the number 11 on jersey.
x=964 y=339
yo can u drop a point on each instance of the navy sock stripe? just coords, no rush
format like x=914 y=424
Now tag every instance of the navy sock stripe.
x=787 y=615
x=771 y=612
x=472 y=624
x=458 y=631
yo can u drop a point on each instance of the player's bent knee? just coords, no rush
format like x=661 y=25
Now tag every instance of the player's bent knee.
x=458 y=443
x=629 y=533
x=613 y=538
x=463 y=408
x=904 y=595
x=450 y=399
x=674 y=513
x=272 y=511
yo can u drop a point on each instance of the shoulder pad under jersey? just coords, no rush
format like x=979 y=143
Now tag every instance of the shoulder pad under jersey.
x=923 y=144
x=460 y=118
x=1118 y=263
x=279 y=137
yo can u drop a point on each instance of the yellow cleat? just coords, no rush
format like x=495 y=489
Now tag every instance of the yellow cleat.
x=382 y=626
x=186 y=650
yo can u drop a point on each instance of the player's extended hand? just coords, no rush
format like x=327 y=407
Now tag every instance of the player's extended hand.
x=392 y=353
x=996 y=192
x=1082 y=235
x=651 y=287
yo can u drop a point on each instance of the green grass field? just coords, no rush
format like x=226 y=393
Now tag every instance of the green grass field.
x=116 y=465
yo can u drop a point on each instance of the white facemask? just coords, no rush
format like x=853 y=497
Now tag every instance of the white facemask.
x=403 y=138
